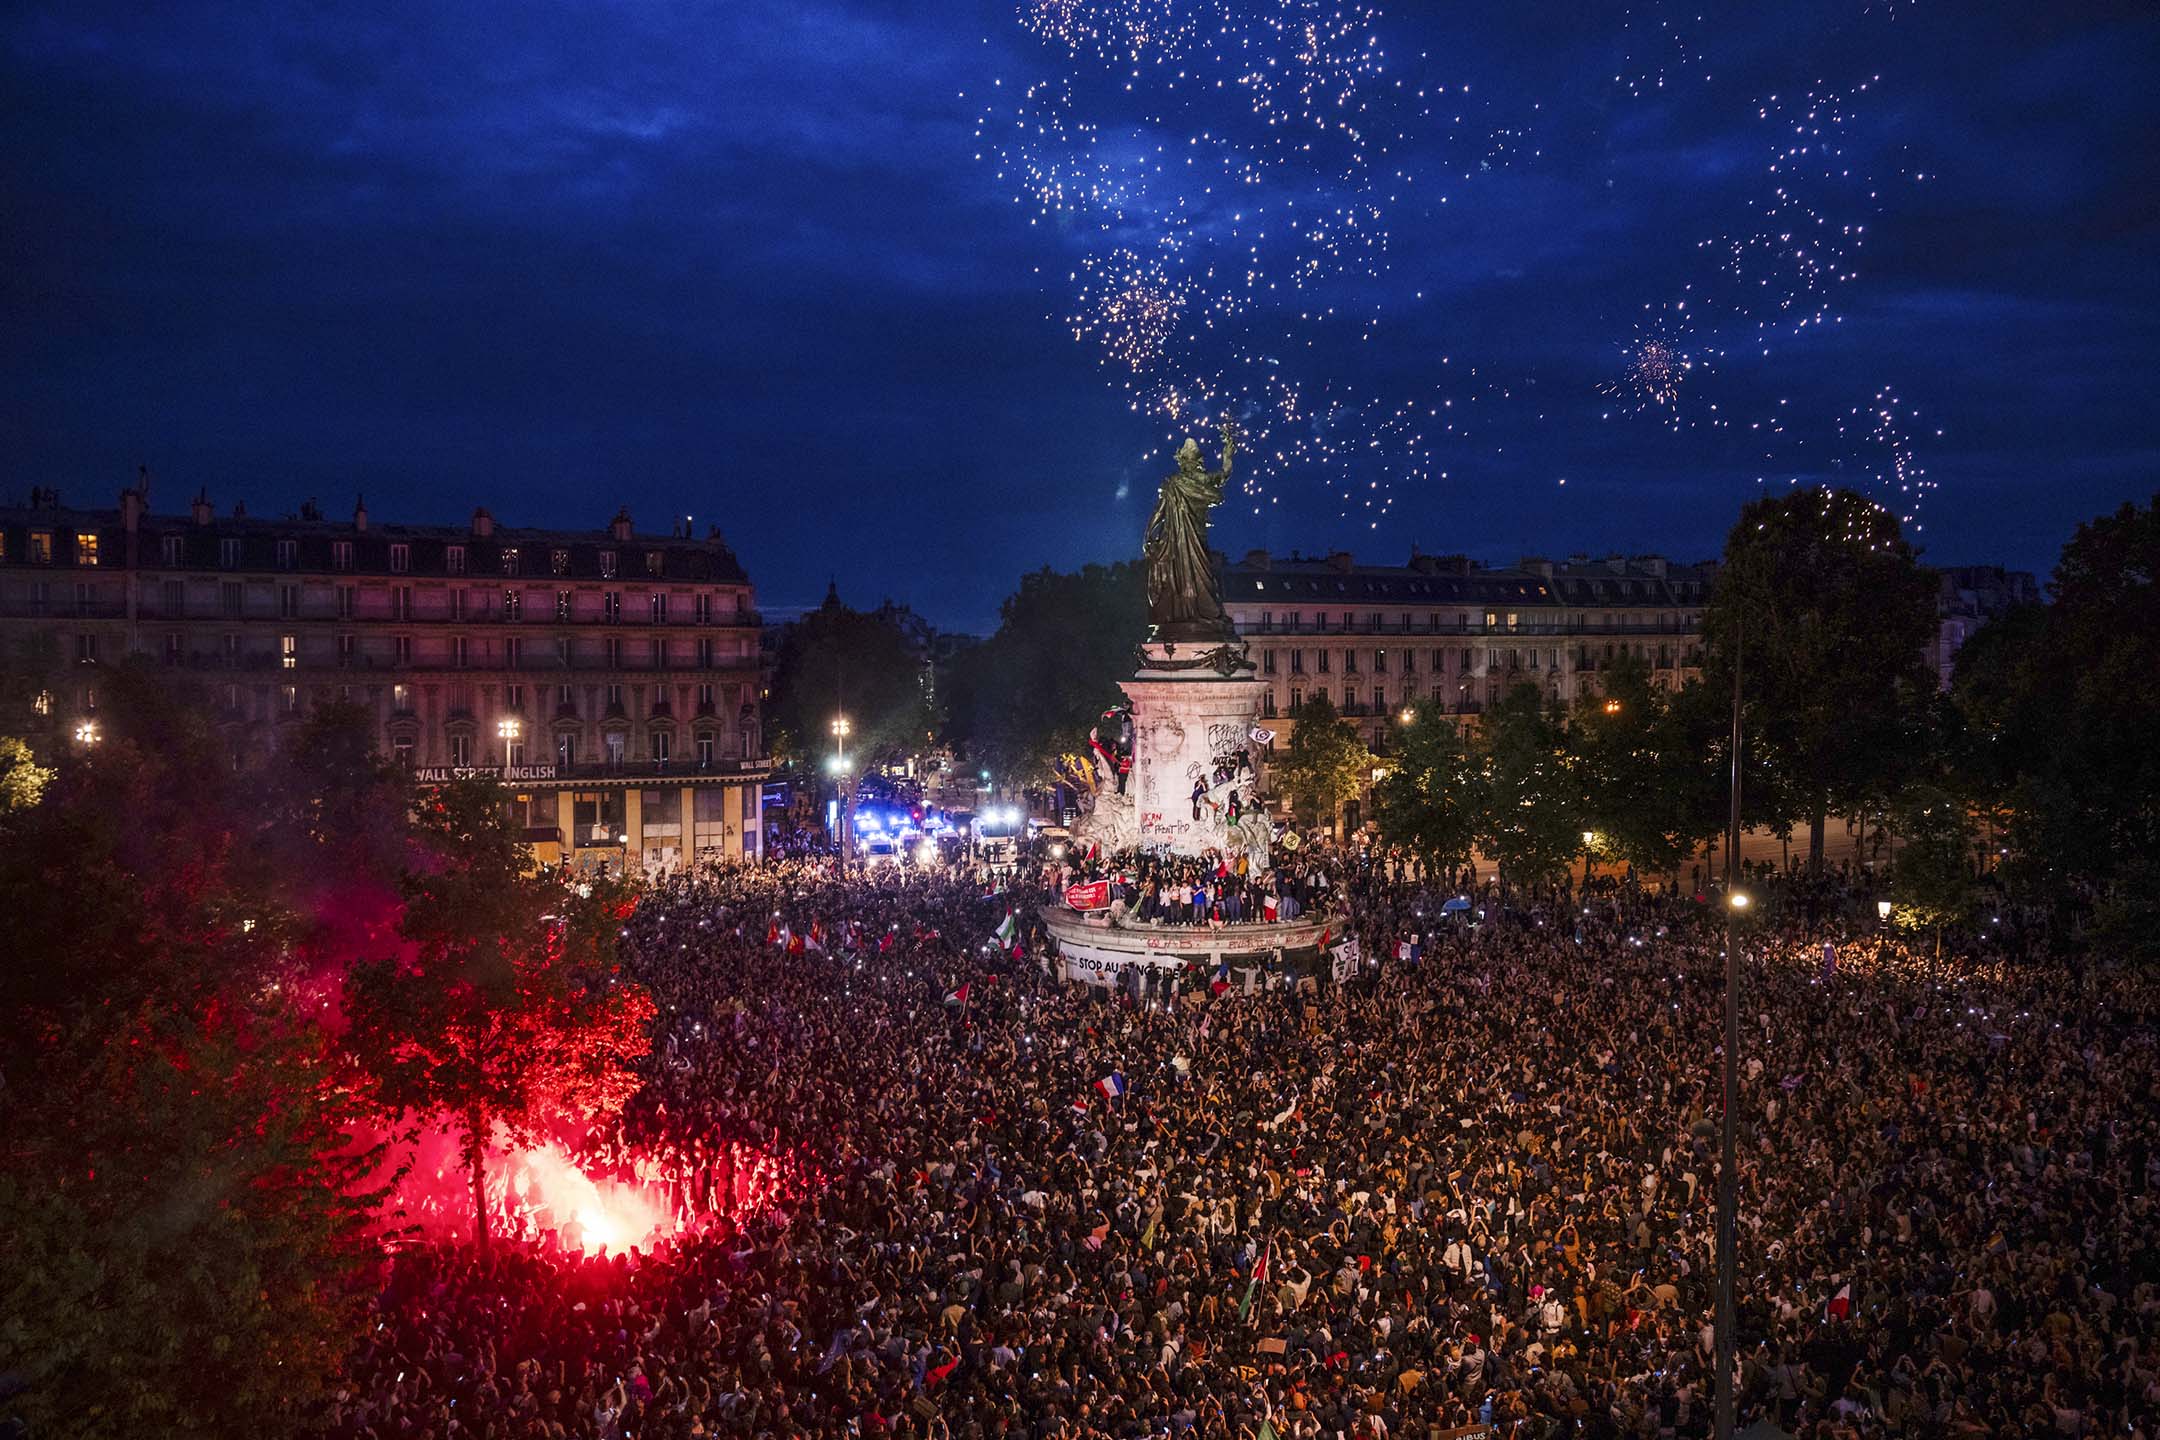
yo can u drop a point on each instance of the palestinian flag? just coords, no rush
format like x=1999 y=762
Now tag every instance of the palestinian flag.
x=1007 y=928
x=959 y=997
x=1259 y=1273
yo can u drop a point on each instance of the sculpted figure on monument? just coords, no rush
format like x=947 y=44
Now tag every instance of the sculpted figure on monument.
x=1184 y=597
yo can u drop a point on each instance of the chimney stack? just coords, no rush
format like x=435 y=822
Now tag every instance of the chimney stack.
x=483 y=524
x=199 y=511
x=359 y=513
x=620 y=527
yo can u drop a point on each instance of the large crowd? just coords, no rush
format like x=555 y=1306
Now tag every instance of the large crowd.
x=1472 y=1187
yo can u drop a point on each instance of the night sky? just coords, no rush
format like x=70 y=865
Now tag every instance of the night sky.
x=741 y=261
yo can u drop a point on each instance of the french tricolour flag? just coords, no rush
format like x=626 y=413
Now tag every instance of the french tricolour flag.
x=1111 y=1085
x=1222 y=978
x=1840 y=1304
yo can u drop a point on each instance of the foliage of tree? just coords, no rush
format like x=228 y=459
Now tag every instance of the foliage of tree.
x=837 y=663
x=1933 y=880
x=1639 y=775
x=1022 y=702
x=1834 y=613
x=187 y=1232
x=1532 y=825
x=1325 y=763
x=840 y=662
x=2062 y=706
x=22 y=779
x=1433 y=795
x=182 y=1228
x=503 y=1019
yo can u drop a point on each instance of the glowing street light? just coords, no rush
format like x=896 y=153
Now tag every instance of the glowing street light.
x=1882 y=909
x=1739 y=900
x=1408 y=715
x=1612 y=707
x=86 y=733
x=509 y=727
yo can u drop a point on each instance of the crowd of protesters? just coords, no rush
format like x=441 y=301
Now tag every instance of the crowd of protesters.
x=1151 y=889
x=1472 y=1187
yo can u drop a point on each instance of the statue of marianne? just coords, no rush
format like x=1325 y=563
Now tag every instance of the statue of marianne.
x=1184 y=596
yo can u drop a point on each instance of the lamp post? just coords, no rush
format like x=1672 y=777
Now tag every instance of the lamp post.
x=507 y=730
x=86 y=733
x=1736 y=900
x=841 y=729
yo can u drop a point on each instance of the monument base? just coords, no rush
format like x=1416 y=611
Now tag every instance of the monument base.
x=1193 y=774
x=1094 y=951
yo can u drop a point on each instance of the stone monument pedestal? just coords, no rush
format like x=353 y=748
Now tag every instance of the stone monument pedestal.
x=1193 y=713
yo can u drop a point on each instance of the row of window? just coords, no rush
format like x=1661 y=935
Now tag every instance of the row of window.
x=457 y=652
x=510 y=559
x=1585 y=657
x=660 y=607
x=1494 y=620
x=459 y=700
x=232 y=553
x=462 y=750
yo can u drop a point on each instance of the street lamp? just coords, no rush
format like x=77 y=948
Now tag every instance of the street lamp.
x=841 y=729
x=1728 y=1196
x=1882 y=911
x=86 y=733
x=1408 y=715
x=1612 y=707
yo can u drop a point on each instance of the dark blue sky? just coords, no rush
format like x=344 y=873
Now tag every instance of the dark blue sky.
x=739 y=261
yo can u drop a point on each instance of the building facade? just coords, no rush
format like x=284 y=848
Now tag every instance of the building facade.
x=1967 y=598
x=1380 y=640
x=608 y=679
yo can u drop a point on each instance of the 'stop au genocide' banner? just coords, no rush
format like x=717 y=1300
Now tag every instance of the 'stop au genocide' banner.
x=1095 y=895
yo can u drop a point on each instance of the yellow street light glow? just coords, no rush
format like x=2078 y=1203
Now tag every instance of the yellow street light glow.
x=1739 y=900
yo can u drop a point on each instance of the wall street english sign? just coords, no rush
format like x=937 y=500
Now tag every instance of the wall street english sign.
x=508 y=774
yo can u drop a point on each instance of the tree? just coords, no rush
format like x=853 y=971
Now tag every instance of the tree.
x=1532 y=825
x=22 y=779
x=1432 y=796
x=835 y=664
x=2061 y=705
x=1932 y=881
x=505 y=1017
x=1636 y=770
x=1835 y=614
x=188 y=1228
x=1325 y=763
x=1024 y=700
x=184 y=1228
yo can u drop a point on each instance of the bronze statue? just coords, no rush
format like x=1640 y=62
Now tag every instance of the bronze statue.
x=1184 y=595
